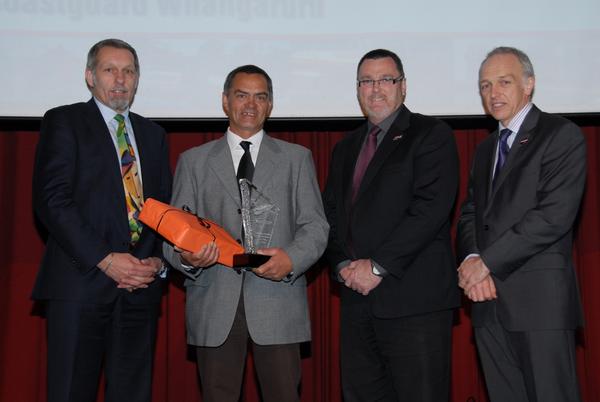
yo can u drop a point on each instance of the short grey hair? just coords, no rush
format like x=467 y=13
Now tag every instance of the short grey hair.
x=92 y=57
x=519 y=54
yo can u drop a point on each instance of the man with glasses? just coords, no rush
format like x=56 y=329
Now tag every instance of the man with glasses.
x=388 y=199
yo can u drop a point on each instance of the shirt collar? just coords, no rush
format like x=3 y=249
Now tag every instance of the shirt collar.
x=515 y=123
x=108 y=114
x=233 y=140
x=386 y=123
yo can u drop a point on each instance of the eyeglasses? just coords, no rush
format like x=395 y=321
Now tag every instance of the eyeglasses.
x=383 y=82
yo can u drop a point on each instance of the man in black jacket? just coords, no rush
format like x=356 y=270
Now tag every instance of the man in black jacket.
x=95 y=163
x=388 y=199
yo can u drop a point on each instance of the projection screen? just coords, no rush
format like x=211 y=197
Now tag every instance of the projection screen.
x=309 y=47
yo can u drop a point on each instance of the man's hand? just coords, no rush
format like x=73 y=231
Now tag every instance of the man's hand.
x=155 y=262
x=483 y=291
x=359 y=276
x=278 y=266
x=472 y=271
x=475 y=279
x=207 y=256
x=128 y=271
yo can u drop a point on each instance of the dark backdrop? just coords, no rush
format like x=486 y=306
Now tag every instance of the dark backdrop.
x=22 y=329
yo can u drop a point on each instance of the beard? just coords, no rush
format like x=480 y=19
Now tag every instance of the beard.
x=120 y=104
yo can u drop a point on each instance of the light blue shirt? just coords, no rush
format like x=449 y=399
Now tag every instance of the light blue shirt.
x=514 y=125
x=109 y=118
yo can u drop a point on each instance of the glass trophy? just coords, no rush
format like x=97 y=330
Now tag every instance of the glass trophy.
x=259 y=216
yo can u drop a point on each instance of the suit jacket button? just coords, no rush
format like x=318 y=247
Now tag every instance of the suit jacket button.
x=486 y=227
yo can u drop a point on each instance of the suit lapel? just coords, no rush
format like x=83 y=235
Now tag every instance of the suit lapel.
x=140 y=138
x=491 y=144
x=523 y=139
x=354 y=147
x=143 y=149
x=98 y=130
x=269 y=157
x=221 y=164
x=395 y=136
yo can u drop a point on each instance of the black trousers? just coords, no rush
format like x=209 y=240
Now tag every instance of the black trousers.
x=221 y=368
x=528 y=366
x=84 y=337
x=400 y=359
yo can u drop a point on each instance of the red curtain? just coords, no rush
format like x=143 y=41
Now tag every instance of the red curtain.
x=22 y=330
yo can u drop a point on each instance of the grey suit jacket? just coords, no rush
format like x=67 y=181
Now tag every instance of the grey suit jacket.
x=276 y=312
x=522 y=228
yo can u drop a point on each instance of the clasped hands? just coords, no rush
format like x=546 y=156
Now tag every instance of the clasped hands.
x=129 y=272
x=475 y=279
x=276 y=269
x=359 y=276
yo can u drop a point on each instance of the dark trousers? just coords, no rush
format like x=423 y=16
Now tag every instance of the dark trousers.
x=399 y=359
x=222 y=368
x=528 y=366
x=82 y=337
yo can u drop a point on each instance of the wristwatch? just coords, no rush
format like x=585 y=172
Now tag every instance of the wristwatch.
x=162 y=272
x=375 y=270
x=288 y=277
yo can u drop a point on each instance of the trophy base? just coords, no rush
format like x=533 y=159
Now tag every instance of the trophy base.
x=249 y=260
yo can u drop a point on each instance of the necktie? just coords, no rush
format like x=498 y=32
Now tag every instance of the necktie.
x=502 y=152
x=364 y=158
x=134 y=196
x=246 y=167
x=245 y=171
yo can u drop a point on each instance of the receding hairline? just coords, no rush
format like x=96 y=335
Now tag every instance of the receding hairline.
x=92 y=56
x=520 y=56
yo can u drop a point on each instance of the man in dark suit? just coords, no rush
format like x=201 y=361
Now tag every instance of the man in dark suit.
x=515 y=234
x=266 y=307
x=95 y=163
x=390 y=245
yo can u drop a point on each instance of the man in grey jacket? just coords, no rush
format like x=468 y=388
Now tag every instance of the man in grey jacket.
x=266 y=306
x=515 y=239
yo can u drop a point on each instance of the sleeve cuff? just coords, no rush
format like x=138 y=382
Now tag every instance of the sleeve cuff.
x=378 y=269
x=163 y=271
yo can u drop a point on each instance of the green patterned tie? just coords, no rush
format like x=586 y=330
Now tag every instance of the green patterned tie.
x=134 y=195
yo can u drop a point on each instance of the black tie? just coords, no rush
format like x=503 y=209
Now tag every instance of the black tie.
x=246 y=167
x=245 y=171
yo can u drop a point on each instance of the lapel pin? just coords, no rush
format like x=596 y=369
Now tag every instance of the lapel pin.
x=524 y=141
x=398 y=137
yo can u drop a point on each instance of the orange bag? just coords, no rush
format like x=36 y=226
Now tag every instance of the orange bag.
x=188 y=231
